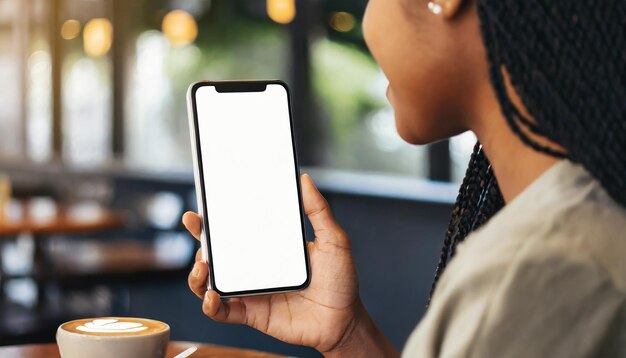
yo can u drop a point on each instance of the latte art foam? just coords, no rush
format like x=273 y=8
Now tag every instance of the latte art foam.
x=115 y=326
x=111 y=326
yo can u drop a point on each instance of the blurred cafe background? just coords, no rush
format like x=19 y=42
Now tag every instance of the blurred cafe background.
x=96 y=170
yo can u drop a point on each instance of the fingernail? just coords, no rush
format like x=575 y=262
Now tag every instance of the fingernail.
x=196 y=270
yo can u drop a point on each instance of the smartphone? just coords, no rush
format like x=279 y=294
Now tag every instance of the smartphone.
x=248 y=187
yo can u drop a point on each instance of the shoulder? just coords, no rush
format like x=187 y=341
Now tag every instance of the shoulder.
x=525 y=300
x=544 y=277
x=566 y=216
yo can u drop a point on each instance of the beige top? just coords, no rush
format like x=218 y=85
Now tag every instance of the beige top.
x=545 y=277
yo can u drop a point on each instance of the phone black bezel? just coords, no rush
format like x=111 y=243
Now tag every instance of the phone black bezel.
x=246 y=86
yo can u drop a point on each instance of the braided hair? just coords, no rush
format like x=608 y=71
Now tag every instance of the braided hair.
x=567 y=61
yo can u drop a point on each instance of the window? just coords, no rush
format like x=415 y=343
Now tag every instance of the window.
x=104 y=81
x=86 y=81
x=350 y=90
x=12 y=51
x=234 y=41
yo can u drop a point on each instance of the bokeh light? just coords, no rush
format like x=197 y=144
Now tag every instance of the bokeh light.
x=97 y=37
x=342 y=21
x=180 y=28
x=281 y=11
x=70 y=29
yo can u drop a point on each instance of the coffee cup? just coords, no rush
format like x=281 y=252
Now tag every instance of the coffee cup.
x=119 y=337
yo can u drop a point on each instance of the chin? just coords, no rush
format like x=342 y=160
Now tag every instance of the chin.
x=414 y=133
x=421 y=130
x=411 y=138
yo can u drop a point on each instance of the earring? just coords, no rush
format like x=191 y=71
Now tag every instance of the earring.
x=434 y=7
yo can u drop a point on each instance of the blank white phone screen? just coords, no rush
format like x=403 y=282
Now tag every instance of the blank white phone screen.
x=253 y=211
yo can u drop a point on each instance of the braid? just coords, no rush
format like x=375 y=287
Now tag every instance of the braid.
x=479 y=198
x=567 y=61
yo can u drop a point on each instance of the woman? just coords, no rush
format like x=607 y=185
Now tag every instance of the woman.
x=542 y=84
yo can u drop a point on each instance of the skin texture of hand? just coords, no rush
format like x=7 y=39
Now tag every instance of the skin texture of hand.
x=326 y=316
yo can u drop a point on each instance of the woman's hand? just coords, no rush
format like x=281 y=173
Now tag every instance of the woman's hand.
x=328 y=315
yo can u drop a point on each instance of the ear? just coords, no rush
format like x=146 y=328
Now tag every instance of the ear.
x=446 y=8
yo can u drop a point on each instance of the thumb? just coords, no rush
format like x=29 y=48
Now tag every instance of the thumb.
x=318 y=211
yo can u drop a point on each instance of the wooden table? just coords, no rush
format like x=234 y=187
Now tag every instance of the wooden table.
x=204 y=351
x=60 y=224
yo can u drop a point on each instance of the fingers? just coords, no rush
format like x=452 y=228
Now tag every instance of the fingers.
x=315 y=206
x=198 y=275
x=197 y=279
x=233 y=311
x=193 y=223
x=318 y=212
